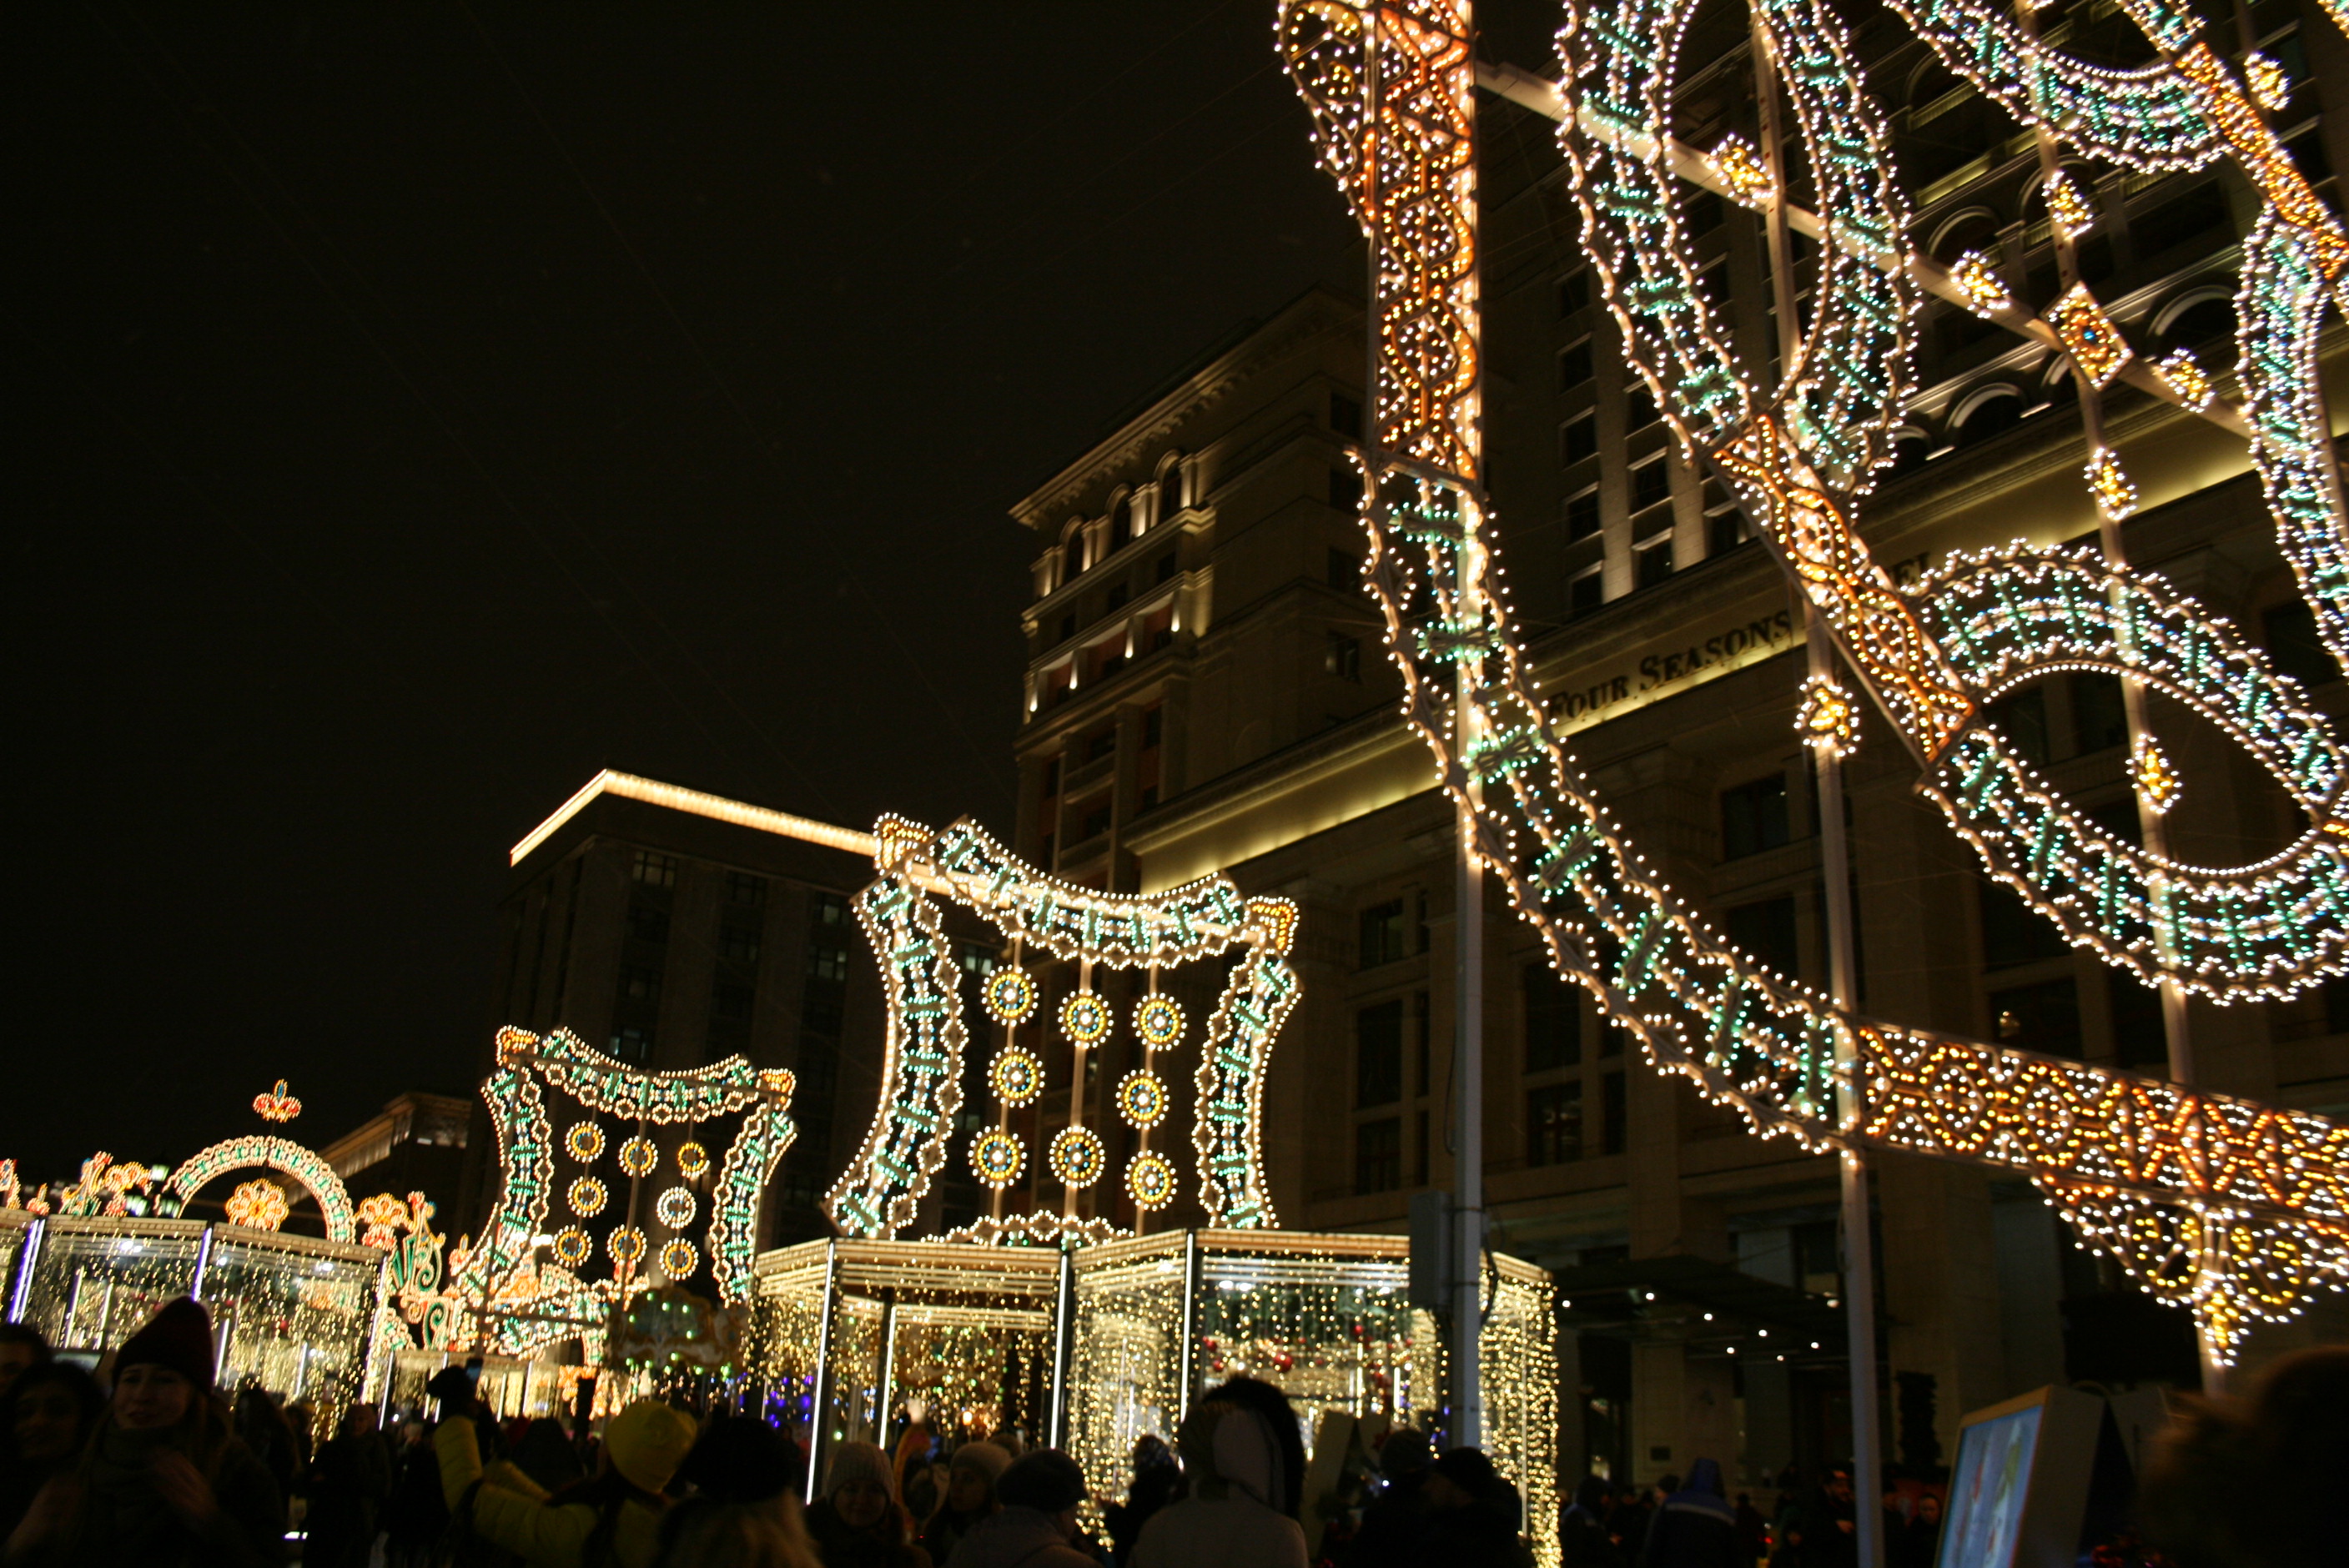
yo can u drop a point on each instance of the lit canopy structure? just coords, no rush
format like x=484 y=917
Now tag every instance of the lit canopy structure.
x=2235 y=1209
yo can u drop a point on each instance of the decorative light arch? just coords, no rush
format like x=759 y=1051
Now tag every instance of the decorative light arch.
x=279 y=1154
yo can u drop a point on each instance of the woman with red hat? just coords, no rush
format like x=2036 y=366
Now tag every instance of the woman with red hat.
x=164 y=1480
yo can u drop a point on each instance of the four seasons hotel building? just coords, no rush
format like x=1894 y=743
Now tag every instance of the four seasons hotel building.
x=1208 y=691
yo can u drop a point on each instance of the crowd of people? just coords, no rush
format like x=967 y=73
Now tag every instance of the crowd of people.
x=158 y=1465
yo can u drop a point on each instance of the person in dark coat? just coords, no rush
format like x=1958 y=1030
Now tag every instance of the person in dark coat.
x=416 y=1517
x=164 y=1480
x=1752 y=1529
x=1391 y=1525
x=1157 y=1481
x=1584 y=1541
x=1695 y=1527
x=2254 y=1480
x=46 y=1419
x=1473 y=1515
x=858 y=1522
x=972 y=1475
x=348 y=1483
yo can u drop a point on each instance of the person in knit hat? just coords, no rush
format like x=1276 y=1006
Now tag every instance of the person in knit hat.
x=164 y=1478
x=858 y=1522
x=1036 y=1525
x=972 y=1475
x=612 y=1517
x=744 y=1511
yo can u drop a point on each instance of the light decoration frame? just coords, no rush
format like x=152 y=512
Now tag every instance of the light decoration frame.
x=639 y=1156
x=258 y=1205
x=587 y=1197
x=268 y=1152
x=676 y=1208
x=584 y=1143
x=2236 y=1210
x=881 y=1192
x=1077 y=1157
x=490 y=1279
x=1017 y=1076
x=276 y=1105
x=2089 y=335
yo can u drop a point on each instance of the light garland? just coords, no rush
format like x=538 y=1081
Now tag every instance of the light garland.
x=2184 y=375
x=692 y=1161
x=1009 y=995
x=1828 y=717
x=2156 y=782
x=639 y=1156
x=921 y=1076
x=996 y=1158
x=573 y=1247
x=585 y=1142
x=679 y=1259
x=1150 y=1179
x=2108 y=482
x=278 y=1154
x=1077 y=1157
x=258 y=1205
x=676 y=1208
x=1085 y=1018
x=1141 y=1099
x=2089 y=335
x=586 y=1196
x=1798 y=459
x=1158 y=1021
x=1740 y=168
x=1016 y=1075
x=276 y=1105
x=2067 y=208
x=1985 y=292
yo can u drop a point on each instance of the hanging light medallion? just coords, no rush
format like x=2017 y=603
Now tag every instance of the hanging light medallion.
x=676 y=1209
x=626 y=1246
x=678 y=1258
x=572 y=1246
x=587 y=1197
x=586 y=1142
x=692 y=1159
x=638 y=1155
x=1141 y=1099
x=1085 y=1018
x=996 y=1158
x=1150 y=1179
x=1158 y=1021
x=1077 y=1156
x=1010 y=996
x=1016 y=1075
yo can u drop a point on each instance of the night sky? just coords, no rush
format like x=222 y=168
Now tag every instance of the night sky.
x=423 y=407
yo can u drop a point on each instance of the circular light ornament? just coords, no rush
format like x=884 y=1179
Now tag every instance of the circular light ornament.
x=1150 y=1179
x=586 y=1142
x=1158 y=1021
x=626 y=1246
x=678 y=1258
x=1016 y=1075
x=1010 y=996
x=638 y=1155
x=692 y=1159
x=1077 y=1156
x=1085 y=1018
x=676 y=1209
x=1141 y=1099
x=996 y=1158
x=587 y=1197
x=572 y=1247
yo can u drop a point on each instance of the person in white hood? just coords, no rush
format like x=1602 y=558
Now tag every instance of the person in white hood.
x=1234 y=1462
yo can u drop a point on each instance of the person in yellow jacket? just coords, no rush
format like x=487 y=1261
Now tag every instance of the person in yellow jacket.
x=612 y=1521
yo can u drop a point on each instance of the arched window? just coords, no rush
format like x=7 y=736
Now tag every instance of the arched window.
x=1170 y=487
x=1071 y=561
x=1972 y=229
x=1911 y=448
x=1988 y=413
x=2196 y=317
x=1120 y=524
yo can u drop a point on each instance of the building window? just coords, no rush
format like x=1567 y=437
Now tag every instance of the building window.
x=1582 y=514
x=647 y=922
x=1574 y=366
x=1639 y=407
x=1703 y=213
x=2099 y=714
x=1654 y=560
x=2293 y=645
x=1554 y=1124
x=737 y=940
x=2044 y=1017
x=1153 y=725
x=1164 y=569
x=1585 y=593
x=1343 y=659
x=640 y=983
x=1345 y=417
x=1377 y=1155
x=742 y=888
x=1096 y=821
x=1754 y=816
x=828 y=909
x=977 y=958
x=1101 y=743
x=1765 y=931
x=2011 y=932
x=1346 y=490
x=632 y=1043
x=1381 y=933
x=1577 y=439
x=1724 y=521
x=1651 y=484
x=1378 y=1054
x=1614 y=1111
x=730 y=1003
x=1553 y=1019
x=1573 y=293
x=654 y=869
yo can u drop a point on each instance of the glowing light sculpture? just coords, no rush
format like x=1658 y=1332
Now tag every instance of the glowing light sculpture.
x=279 y=1154
x=2234 y=1209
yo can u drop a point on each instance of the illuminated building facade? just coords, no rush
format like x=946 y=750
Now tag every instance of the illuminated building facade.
x=1205 y=715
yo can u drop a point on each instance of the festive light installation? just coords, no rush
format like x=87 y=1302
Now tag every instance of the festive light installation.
x=2257 y=1215
x=2183 y=374
x=258 y=1205
x=2155 y=779
x=692 y=1161
x=585 y=1142
x=2066 y=206
x=277 y=1105
x=1150 y=1179
x=2108 y=482
x=1827 y=716
x=489 y=1276
x=922 y=1070
x=2267 y=81
x=1141 y=1099
x=676 y=1208
x=587 y=1197
x=278 y=1154
x=1740 y=168
x=678 y=1258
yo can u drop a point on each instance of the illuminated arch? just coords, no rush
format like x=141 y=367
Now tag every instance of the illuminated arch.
x=279 y=1154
